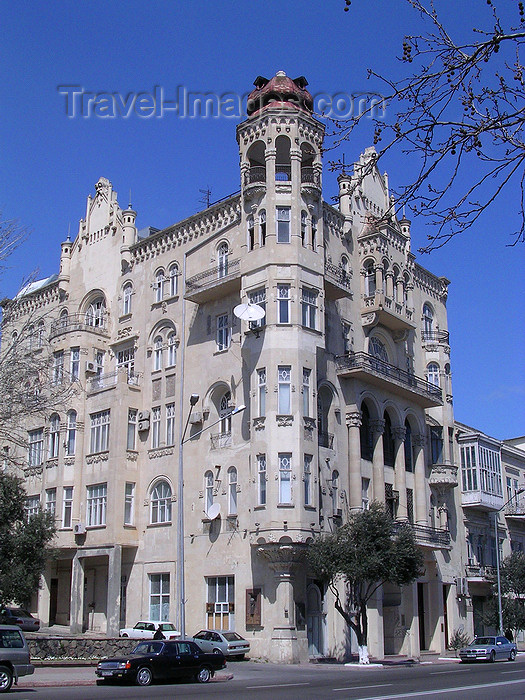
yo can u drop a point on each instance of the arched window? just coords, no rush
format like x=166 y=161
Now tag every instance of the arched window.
x=225 y=413
x=54 y=435
x=388 y=443
x=160 y=281
x=365 y=434
x=428 y=321
x=127 y=292
x=157 y=352
x=40 y=332
x=377 y=349
x=174 y=276
x=95 y=315
x=160 y=503
x=232 y=491
x=409 y=450
x=304 y=220
x=172 y=350
x=71 y=437
x=208 y=491
x=345 y=267
x=262 y=228
x=283 y=168
x=370 y=279
x=433 y=374
x=222 y=256
x=335 y=491
x=31 y=337
x=314 y=232
x=395 y=281
x=251 y=232
x=63 y=318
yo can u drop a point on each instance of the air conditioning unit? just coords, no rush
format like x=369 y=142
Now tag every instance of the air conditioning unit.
x=91 y=368
x=196 y=418
x=143 y=425
x=461 y=587
x=143 y=415
x=79 y=529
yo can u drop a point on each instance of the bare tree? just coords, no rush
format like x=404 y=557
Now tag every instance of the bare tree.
x=458 y=109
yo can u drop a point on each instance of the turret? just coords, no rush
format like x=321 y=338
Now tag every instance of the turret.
x=129 y=235
x=65 y=265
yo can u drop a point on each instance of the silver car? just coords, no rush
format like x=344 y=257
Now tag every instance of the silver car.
x=229 y=643
x=489 y=649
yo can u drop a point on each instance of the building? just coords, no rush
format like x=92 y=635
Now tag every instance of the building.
x=346 y=383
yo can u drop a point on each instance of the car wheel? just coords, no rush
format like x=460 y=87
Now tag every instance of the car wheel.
x=492 y=656
x=124 y=635
x=144 y=676
x=217 y=651
x=6 y=679
x=203 y=675
x=512 y=655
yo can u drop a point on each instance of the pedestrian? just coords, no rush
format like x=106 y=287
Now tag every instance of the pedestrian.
x=158 y=634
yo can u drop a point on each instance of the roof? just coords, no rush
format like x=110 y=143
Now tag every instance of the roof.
x=36 y=286
x=280 y=91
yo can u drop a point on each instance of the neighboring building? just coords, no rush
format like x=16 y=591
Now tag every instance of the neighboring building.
x=347 y=386
x=492 y=476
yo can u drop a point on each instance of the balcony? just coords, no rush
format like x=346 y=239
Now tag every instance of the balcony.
x=310 y=177
x=477 y=573
x=337 y=281
x=426 y=536
x=79 y=322
x=435 y=337
x=443 y=476
x=214 y=283
x=107 y=381
x=255 y=175
x=515 y=509
x=483 y=500
x=388 y=312
x=360 y=365
x=220 y=440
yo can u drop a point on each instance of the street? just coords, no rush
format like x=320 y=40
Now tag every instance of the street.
x=257 y=681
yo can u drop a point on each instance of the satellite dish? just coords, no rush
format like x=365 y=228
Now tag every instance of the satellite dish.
x=214 y=511
x=249 y=312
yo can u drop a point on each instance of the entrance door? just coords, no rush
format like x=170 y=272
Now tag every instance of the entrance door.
x=53 y=601
x=421 y=615
x=445 y=613
x=314 y=620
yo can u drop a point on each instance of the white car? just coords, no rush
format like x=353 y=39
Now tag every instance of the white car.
x=145 y=629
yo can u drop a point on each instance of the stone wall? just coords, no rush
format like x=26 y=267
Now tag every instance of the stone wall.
x=64 y=648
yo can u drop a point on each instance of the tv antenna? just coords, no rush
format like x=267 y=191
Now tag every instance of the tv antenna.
x=206 y=196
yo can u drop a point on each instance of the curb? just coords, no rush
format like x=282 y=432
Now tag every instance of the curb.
x=64 y=684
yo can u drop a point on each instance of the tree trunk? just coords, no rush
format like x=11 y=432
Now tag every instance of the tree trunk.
x=363 y=654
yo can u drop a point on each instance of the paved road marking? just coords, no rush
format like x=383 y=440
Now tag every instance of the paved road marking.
x=280 y=685
x=458 y=689
x=362 y=687
x=519 y=670
x=459 y=670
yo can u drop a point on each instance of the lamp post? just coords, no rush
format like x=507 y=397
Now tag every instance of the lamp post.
x=498 y=575
x=180 y=510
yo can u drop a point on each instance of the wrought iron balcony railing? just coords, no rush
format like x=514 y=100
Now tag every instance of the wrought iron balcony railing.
x=337 y=275
x=79 y=322
x=214 y=276
x=435 y=336
x=257 y=173
x=426 y=535
x=310 y=176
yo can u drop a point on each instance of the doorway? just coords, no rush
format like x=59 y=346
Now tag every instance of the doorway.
x=314 y=620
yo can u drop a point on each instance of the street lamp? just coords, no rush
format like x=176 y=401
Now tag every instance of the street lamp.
x=180 y=502
x=498 y=575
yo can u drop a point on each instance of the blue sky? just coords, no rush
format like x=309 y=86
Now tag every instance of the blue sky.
x=51 y=162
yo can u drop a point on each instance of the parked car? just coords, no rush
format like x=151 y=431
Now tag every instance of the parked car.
x=145 y=629
x=229 y=643
x=489 y=649
x=19 y=617
x=156 y=660
x=14 y=657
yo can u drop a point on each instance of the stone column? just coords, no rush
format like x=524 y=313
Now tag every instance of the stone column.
x=378 y=465
x=400 y=290
x=378 y=269
x=113 y=595
x=420 y=492
x=389 y=284
x=353 y=423
x=77 y=595
x=270 y=156
x=295 y=214
x=44 y=597
x=400 y=482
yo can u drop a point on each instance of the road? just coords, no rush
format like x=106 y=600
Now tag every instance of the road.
x=252 y=681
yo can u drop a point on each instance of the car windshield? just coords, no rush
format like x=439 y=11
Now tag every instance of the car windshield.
x=484 y=640
x=148 y=648
x=167 y=627
x=232 y=637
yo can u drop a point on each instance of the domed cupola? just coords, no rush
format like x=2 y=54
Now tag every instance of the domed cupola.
x=280 y=91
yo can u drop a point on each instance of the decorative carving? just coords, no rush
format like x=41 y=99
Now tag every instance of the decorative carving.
x=284 y=421
x=258 y=423
x=160 y=452
x=97 y=458
x=353 y=420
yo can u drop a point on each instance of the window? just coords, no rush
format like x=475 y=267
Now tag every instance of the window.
x=314 y=232
x=160 y=503
x=469 y=468
x=31 y=506
x=347 y=338
x=303 y=227
x=155 y=427
x=99 y=432
x=220 y=602
x=97 y=498
x=40 y=332
x=232 y=491
x=71 y=435
x=261 y=391
x=261 y=480
x=132 y=429
x=262 y=228
x=127 y=293
x=99 y=362
x=307 y=480
x=159 y=597
x=307 y=373
x=309 y=308
x=258 y=297
x=284 y=378
x=51 y=501
x=365 y=500
x=436 y=444
x=490 y=470
x=225 y=413
x=129 y=503
x=410 y=505
x=251 y=233
x=74 y=364
x=283 y=303
x=157 y=353
x=67 y=506
x=222 y=256
x=208 y=491
x=335 y=492
x=223 y=332
x=283 y=225
x=126 y=361
x=172 y=350
x=365 y=433
x=95 y=315
x=170 y=424
x=58 y=367
x=409 y=448
x=54 y=436
x=173 y=276
x=377 y=349
x=285 y=478
x=389 y=446
x=433 y=374
x=160 y=281
x=512 y=490
x=428 y=322
x=370 y=279
x=36 y=447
